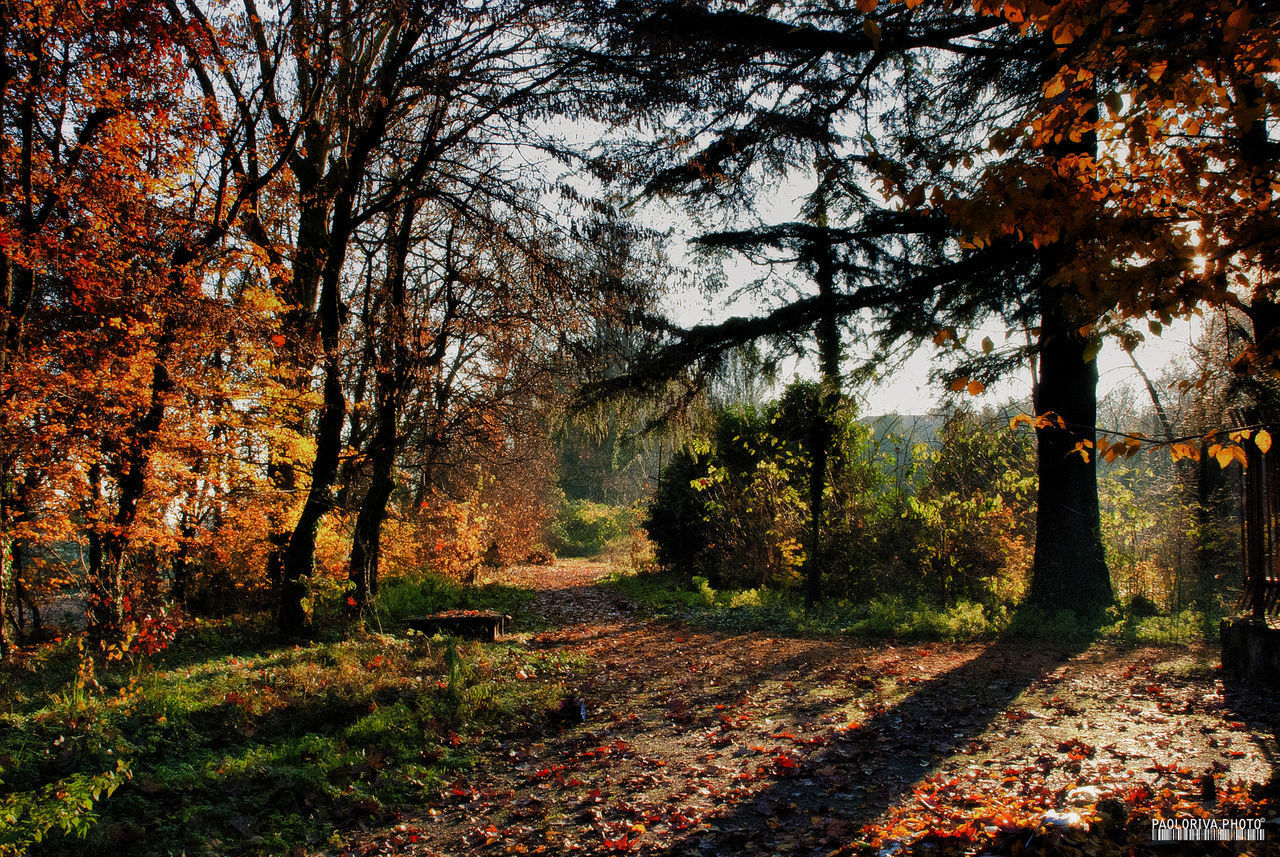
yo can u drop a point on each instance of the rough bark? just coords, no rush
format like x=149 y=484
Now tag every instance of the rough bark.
x=1069 y=569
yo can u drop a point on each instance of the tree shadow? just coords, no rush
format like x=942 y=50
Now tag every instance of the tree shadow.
x=1257 y=703
x=859 y=773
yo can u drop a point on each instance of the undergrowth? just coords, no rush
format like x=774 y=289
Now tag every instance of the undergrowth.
x=895 y=617
x=211 y=749
x=417 y=595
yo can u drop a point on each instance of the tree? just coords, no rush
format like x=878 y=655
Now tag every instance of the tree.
x=105 y=241
x=394 y=110
x=921 y=286
x=985 y=128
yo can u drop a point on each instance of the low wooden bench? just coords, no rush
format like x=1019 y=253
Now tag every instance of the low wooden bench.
x=472 y=624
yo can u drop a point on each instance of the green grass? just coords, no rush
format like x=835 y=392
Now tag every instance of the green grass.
x=401 y=598
x=893 y=617
x=216 y=748
x=582 y=528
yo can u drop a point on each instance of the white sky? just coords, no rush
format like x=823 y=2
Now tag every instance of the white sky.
x=907 y=389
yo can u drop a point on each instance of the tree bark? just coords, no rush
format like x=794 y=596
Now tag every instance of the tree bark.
x=106 y=616
x=1069 y=570
x=828 y=335
x=392 y=377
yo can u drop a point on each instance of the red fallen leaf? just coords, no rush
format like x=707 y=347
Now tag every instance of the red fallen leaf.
x=278 y=340
x=622 y=843
x=1137 y=795
x=1076 y=749
x=680 y=821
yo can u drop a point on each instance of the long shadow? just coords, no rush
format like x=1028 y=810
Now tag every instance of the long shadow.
x=1257 y=704
x=858 y=774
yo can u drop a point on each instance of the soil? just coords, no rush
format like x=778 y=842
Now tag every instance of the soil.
x=697 y=742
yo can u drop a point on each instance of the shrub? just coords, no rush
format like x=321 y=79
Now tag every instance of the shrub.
x=736 y=510
x=947 y=525
x=583 y=528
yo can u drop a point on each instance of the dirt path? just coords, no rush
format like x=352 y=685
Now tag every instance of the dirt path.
x=709 y=743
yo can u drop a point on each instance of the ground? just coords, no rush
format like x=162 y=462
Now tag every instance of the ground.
x=709 y=743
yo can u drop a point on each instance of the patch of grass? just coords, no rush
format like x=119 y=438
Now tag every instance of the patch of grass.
x=784 y=612
x=894 y=617
x=582 y=528
x=1173 y=629
x=417 y=595
x=247 y=752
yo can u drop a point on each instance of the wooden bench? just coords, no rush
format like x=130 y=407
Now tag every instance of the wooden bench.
x=471 y=624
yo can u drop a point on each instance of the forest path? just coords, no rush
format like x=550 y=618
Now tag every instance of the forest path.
x=707 y=743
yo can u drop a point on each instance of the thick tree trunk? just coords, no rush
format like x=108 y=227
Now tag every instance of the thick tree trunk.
x=103 y=601
x=6 y=575
x=22 y=599
x=1070 y=569
x=366 y=549
x=298 y=327
x=299 y=557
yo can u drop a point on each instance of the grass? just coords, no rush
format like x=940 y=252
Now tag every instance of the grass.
x=215 y=748
x=894 y=617
x=403 y=597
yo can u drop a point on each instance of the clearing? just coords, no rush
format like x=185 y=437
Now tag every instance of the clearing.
x=709 y=743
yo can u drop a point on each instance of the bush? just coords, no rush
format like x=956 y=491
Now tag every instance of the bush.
x=736 y=510
x=418 y=595
x=583 y=528
x=945 y=526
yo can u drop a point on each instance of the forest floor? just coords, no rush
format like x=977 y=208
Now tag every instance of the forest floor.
x=706 y=743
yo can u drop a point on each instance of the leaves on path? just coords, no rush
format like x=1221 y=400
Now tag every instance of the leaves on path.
x=706 y=743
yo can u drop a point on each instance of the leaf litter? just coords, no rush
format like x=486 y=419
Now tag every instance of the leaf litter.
x=708 y=743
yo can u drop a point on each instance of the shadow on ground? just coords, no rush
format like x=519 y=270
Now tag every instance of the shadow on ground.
x=853 y=778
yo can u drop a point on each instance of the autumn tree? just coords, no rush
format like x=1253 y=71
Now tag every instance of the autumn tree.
x=105 y=242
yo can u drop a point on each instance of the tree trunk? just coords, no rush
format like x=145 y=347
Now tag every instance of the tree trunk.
x=6 y=575
x=299 y=557
x=298 y=327
x=392 y=377
x=1069 y=570
x=103 y=607
x=828 y=336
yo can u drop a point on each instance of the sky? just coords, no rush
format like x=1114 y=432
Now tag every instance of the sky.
x=907 y=388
